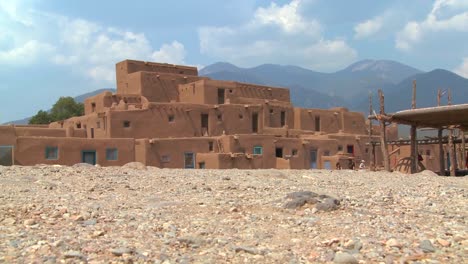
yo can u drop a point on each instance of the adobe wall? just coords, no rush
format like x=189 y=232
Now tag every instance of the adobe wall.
x=126 y=67
x=7 y=135
x=155 y=86
x=39 y=132
x=169 y=153
x=330 y=121
x=206 y=92
x=104 y=101
x=183 y=120
x=31 y=150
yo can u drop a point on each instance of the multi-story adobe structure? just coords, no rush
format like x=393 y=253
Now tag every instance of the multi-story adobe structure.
x=167 y=116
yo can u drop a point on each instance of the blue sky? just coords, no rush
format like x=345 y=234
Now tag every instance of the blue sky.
x=57 y=48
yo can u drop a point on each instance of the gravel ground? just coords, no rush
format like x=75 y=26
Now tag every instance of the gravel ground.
x=128 y=214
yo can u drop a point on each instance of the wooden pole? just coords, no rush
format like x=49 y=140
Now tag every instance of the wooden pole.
x=441 y=145
x=383 y=133
x=450 y=142
x=414 y=148
x=463 y=161
x=372 y=152
x=441 y=153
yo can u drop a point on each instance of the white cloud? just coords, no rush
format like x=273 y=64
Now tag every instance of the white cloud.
x=277 y=34
x=171 y=53
x=287 y=17
x=462 y=69
x=25 y=53
x=368 y=27
x=84 y=46
x=445 y=15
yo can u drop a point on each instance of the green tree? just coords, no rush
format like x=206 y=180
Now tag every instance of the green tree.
x=42 y=117
x=64 y=108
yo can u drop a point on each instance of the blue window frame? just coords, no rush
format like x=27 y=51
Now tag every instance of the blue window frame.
x=51 y=153
x=258 y=150
x=112 y=154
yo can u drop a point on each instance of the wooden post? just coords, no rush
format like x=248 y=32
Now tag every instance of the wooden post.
x=441 y=145
x=450 y=142
x=372 y=152
x=441 y=153
x=383 y=133
x=463 y=150
x=414 y=148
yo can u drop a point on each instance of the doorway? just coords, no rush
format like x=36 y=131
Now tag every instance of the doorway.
x=204 y=124
x=279 y=152
x=254 y=122
x=350 y=149
x=6 y=155
x=313 y=159
x=88 y=156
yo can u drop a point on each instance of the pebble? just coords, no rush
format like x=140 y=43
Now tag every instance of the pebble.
x=344 y=258
x=120 y=251
x=29 y=222
x=427 y=246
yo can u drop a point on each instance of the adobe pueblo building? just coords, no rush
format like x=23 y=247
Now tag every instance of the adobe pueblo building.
x=167 y=116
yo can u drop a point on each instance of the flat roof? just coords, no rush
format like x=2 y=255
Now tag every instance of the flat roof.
x=437 y=117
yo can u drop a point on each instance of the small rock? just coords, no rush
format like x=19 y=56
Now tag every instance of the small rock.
x=98 y=233
x=120 y=251
x=89 y=222
x=344 y=258
x=74 y=254
x=29 y=222
x=9 y=221
x=392 y=242
x=443 y=242
x=426 y=246
x=249 y=250
x=135 y=165
x=234 y=209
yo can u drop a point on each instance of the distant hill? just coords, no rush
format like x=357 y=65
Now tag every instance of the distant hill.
x=79 y=98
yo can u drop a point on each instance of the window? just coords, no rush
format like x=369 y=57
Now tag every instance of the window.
x=326 y=153
x=98 y=124
x=271 y=111
x=111 y=154
x=294 y=153
x=279 y=152
x=258 y=150
x=189 y=160
x=350 y=149
x=93 y=107
x=283 y=118
x=201 y=165
x=51 y=153
x=428 y=152
x=340 y=148
x=165 y=158
x=317 y=123
x=241 y=116
x=220 y=117
x=230 y=90
x=170 y=118
x=126 y=123
x=78 y=125
x=221 y=96
x=210 y=146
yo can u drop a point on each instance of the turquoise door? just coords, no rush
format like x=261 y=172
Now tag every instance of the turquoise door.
x=88 y=156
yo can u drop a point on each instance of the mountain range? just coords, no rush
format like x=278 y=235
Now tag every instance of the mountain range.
x=349 y=87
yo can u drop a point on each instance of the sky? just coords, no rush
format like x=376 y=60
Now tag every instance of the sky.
x=54 y=48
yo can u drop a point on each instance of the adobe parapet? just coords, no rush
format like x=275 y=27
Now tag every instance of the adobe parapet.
x=126 y=67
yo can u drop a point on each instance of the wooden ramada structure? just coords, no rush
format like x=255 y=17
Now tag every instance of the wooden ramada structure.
x=434 y=150
x=167 y=116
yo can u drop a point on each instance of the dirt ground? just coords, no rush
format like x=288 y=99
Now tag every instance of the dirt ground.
x=59 y=214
